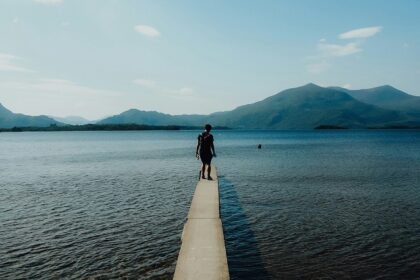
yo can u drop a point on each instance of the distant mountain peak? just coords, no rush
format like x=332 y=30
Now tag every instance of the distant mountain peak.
x=138 y=111
x=8 y=119
x=304 y=88
x=385 y=87
x=72 y=120
x=311 y=85
x=387 y=90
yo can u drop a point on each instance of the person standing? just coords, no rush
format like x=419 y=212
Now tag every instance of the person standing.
x=205 y=150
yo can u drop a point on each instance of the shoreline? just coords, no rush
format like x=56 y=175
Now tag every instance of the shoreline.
x=188 y=128
x=104 y=127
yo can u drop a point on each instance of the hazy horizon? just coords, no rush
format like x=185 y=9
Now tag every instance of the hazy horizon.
x=99 y=58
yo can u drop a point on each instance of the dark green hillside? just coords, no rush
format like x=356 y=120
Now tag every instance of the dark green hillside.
x=388 y=97
x=152 y=118
x=9 y=119
x=308 y=106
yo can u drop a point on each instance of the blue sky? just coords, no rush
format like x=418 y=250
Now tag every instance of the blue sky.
x=96 y=58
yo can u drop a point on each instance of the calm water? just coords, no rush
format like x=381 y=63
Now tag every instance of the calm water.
x=308 y=205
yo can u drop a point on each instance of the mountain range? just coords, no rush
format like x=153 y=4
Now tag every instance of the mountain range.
x=304 y=107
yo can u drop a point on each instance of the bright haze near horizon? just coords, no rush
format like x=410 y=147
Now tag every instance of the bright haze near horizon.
x=98 y=58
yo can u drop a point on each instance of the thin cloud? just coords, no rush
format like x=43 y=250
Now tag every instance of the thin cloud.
x=152 y=85
x=65 y=23
x=145 y=83
x=338 y=50
x=185 y=91
x=65 y=97
x=328 y=52
x=49 y=2
x=147 y=30
x=361 y=33
x=57 y=87
x=8 y=63
x=317 y=67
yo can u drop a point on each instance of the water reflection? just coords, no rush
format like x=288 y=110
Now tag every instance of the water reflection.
x=244 y=258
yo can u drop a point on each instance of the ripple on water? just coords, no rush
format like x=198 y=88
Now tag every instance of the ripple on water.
x=77 y=225
x=309 y=205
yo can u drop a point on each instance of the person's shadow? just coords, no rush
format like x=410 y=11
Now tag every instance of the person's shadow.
x=244 y=258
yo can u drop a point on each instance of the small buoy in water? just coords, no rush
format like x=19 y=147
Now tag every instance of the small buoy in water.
x=259 y=146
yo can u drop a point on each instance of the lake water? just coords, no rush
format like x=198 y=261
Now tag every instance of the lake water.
x=308 y=205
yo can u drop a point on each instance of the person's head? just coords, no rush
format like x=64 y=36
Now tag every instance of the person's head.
x=207 y=127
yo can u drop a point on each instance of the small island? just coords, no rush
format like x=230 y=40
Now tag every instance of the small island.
x=324 y=126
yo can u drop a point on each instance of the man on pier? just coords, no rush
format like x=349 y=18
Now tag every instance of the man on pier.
x=205 y=150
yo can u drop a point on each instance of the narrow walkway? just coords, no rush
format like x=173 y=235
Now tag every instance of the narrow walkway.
x=203 y=253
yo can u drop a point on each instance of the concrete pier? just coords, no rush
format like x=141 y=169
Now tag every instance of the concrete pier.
x=203 y=253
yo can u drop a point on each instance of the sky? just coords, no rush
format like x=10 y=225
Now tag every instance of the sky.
x=96 y=58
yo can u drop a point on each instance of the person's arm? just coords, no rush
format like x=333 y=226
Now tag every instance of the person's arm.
x=198 y=146
x=212 y=148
